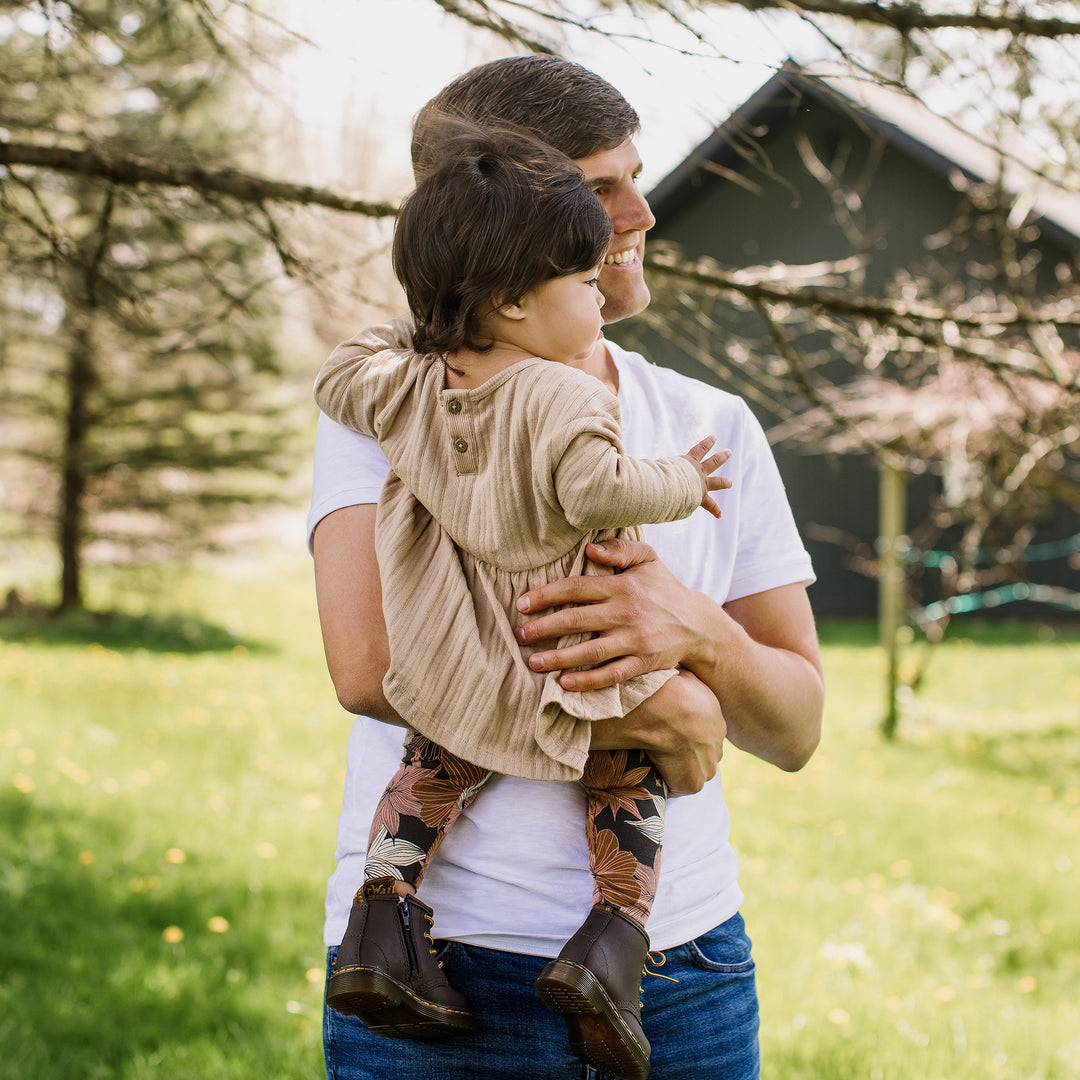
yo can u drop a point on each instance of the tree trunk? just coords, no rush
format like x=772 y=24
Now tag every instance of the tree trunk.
x=72 y=511
x=892 y=526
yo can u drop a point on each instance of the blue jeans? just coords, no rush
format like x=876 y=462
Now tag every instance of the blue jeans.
x=703 y=1027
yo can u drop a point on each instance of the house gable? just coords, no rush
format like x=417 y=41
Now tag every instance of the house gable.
x=746 y=197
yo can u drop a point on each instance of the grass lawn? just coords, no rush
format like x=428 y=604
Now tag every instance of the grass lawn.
x=169 y=782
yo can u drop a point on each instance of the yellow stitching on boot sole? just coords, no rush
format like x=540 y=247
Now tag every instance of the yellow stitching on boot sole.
x=611 y=1004
x=406 y=990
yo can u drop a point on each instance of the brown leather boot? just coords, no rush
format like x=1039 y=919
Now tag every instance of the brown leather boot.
x=596 y=985
x=386 y=972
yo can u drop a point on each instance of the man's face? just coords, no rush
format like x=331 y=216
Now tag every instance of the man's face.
x=613 y=175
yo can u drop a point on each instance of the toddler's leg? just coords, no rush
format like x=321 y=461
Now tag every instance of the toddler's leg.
x=418 y=807
x=596 y=980
x=386 y=972
x=625 y=829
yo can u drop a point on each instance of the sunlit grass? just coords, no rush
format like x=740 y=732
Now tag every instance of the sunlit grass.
x=167 y=823
x=169 y=782
x=913 y=905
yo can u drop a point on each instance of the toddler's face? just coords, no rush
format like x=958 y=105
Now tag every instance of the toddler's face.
x=563 y=317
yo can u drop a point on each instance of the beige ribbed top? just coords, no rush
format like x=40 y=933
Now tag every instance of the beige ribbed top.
x=493 y=491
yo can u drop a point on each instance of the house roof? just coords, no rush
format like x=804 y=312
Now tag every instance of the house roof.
x=901 y=119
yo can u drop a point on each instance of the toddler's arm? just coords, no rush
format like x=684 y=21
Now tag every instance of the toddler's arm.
x=346 y=388
x=600 y=488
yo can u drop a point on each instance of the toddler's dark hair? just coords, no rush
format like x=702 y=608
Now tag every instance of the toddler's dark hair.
x=498 y=213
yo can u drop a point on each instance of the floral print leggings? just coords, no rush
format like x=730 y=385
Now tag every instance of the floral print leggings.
x=624 y=822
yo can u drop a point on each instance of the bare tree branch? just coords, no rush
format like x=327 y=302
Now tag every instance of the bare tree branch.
x=488 y=19
x=124 y=169
x=788 y=353
x=759 y=287
x=906 y=17
x=902 y=17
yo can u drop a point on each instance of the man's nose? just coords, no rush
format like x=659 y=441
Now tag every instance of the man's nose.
x=632 y=211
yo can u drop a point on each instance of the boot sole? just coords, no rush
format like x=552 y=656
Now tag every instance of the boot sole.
x=388 y=1008
x=598 y=1034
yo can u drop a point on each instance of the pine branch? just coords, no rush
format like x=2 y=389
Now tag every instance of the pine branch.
x=128 y=170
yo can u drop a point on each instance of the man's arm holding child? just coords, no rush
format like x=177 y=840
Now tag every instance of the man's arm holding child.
x=349 y=595
x=682 y=725
x=758 y=654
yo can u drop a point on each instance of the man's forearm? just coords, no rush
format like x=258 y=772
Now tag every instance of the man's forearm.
x=350 y=611
x=759 y=656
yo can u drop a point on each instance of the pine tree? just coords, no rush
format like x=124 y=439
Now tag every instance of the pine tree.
x=140 y=388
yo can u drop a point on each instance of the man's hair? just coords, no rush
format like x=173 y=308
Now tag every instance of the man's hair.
x=498 y=214
x=560 y=102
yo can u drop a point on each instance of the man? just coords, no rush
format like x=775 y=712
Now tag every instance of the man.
x=734 y=617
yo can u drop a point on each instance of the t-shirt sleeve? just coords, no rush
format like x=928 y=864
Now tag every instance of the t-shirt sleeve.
x=349 y=469
x=769 y=552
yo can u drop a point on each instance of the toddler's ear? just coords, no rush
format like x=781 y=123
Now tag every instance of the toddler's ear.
x=510 y=311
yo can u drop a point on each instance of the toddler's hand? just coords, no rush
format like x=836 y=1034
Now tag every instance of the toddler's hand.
x=706 y=467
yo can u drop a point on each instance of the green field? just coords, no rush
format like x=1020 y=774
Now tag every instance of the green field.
x=169 y=781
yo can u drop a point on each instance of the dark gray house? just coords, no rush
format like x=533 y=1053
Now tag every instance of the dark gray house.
x=749 y=196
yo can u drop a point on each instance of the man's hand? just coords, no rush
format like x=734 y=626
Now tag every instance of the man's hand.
x=638 y=618
x=681 y=727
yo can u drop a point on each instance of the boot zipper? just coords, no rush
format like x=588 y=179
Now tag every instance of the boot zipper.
x=403 y=915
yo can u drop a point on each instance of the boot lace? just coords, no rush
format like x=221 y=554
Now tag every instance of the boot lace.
x=428 y=938
x=657 y=959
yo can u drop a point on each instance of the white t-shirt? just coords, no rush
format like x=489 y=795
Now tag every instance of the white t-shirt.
x=513 y=873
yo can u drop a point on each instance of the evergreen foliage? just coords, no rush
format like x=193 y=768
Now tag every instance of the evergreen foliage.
x=141 y=393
